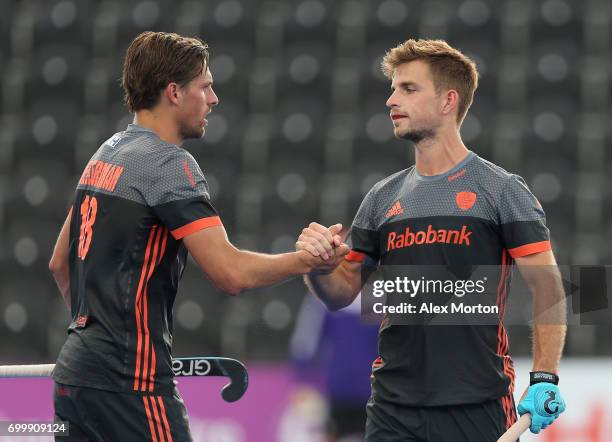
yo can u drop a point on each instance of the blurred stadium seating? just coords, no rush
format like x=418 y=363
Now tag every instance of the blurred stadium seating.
x=301 y=134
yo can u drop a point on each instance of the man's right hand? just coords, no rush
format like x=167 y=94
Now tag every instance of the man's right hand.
x=333 y=279
x=326 y=244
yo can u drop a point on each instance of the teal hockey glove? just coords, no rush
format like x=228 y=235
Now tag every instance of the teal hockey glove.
x=543 y=401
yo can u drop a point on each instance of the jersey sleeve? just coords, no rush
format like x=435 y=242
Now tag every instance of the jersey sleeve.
x=179 y=195
x=522 y=219
x=364 y=233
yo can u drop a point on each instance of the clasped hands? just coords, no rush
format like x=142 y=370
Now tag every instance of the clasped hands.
x=325 y=246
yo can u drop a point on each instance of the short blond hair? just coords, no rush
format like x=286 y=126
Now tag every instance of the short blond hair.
x=450 y=68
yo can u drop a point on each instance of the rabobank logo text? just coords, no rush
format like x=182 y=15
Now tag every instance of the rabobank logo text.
x=408 y=238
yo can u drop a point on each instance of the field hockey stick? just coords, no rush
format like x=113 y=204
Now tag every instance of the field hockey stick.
x=199 y=366
x=515 y=431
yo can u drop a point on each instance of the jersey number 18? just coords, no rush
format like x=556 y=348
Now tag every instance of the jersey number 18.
x=89 y=210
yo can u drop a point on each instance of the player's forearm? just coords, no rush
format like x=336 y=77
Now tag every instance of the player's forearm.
x=253 y=270
x=334 y=289
x=549 y=329
x=548 y=342
x=62 y=279
x=65 y=289
x=59 y=263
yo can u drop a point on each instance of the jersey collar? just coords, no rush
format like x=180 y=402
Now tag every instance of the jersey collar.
x=456 y=168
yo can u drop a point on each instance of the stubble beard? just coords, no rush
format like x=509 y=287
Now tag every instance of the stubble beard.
x=418 y=135
x=191 y=133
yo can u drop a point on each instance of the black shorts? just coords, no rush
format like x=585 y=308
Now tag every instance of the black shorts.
x=484 y=422
x=346 y=420
x=100 y=415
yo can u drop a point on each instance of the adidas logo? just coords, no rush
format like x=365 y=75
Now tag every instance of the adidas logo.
x=396 y=209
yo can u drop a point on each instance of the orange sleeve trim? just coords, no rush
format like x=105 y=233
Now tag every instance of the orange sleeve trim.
x=354 y=256
x=529 y=249
x=192 y=227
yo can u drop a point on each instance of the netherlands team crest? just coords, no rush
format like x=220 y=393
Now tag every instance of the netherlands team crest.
x=465 y=200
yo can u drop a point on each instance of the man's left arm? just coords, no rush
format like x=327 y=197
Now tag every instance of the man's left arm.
x=542 y=398
x=59 y=264
x=549 y=309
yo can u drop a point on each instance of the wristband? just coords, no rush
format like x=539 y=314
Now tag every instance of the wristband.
x=535 y=377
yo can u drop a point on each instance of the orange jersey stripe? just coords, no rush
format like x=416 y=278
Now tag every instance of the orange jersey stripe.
x=137 y=306
x=148 y=411
x=502 y=335
x=498 y=300
x=529 y=249
x=153 y=356
x=165 y=420
x=152 y=374
x=512 y=410
x=145 y=312
x=192 y=227
x=158 y=424
x=507 y=411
